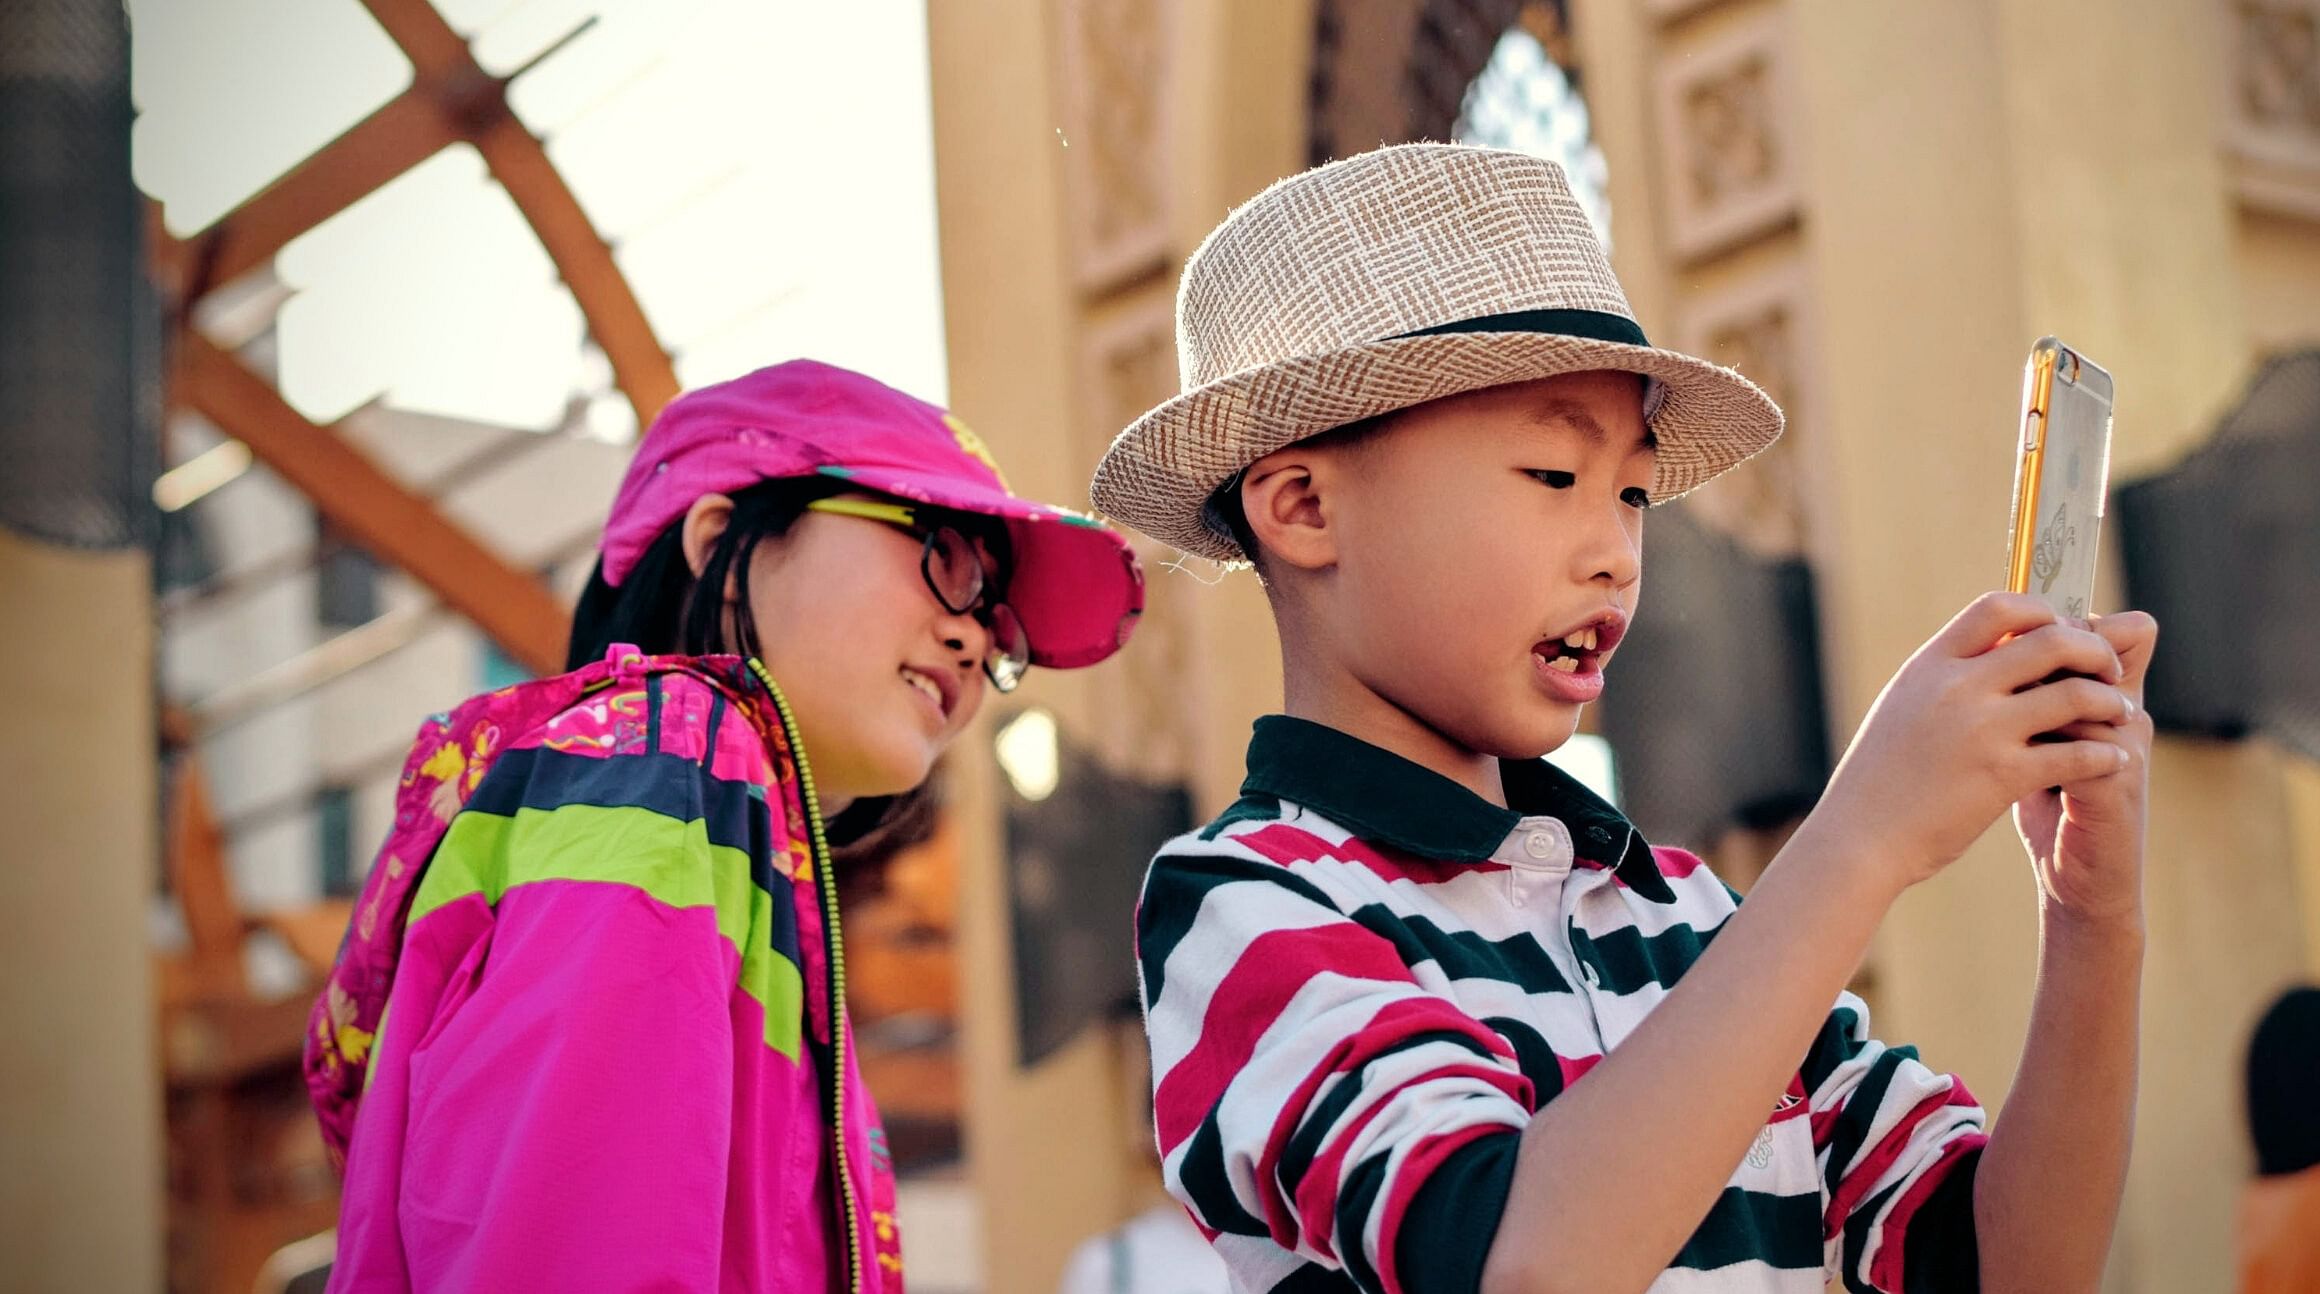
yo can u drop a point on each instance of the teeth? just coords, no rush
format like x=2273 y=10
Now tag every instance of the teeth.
x=1581 y=639
x=923 y=684
x=1566 y=664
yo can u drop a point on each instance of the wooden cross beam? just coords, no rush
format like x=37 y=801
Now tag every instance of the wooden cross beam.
x=378 y=512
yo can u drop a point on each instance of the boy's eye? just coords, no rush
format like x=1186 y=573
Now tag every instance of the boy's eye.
x=1557 y=480
x=1635 y=497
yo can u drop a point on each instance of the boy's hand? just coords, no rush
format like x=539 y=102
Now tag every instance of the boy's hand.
x=2086 y=838
x=1949 y=743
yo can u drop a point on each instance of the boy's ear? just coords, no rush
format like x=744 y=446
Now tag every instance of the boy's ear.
x=703 y=523
x=1283 y=496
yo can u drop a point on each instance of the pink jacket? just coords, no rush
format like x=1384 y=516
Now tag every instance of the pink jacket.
x=588 y=1029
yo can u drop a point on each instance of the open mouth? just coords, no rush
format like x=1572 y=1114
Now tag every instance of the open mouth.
x=934 y=687
x=1581 y=650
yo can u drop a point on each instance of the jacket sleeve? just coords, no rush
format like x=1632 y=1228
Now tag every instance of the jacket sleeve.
x=1898 y=1146
x=571 y=1098
x=1307 y=1089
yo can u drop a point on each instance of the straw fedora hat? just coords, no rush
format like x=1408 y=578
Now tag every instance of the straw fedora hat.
x=1383 y=281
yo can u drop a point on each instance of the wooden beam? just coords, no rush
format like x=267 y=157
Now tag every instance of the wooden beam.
x=407 y=130
x=477 y=103
x=196 y=858
x=380 y=513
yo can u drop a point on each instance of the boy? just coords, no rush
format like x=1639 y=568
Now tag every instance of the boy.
x=1426 y=1015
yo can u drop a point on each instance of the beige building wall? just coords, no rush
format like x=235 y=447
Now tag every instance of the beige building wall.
x=80 y=1090
x=1940 y=186
x=1081 y=150
x=1872 y=210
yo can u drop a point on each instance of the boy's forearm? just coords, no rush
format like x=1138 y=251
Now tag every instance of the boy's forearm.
x=1624 y=1184
x=2046 y=1197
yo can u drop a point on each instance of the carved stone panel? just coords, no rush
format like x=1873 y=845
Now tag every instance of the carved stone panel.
x=2273 y=121
x=1145 y=727
x=1727 y=145
x=1117 y=67
x=1759 y=327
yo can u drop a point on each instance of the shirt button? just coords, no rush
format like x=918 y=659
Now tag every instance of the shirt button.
x=1539 y=844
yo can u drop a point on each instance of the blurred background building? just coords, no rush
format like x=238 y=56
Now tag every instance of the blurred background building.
x=329 y=324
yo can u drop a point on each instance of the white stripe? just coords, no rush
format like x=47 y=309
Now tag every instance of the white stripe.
x=1751 y=1277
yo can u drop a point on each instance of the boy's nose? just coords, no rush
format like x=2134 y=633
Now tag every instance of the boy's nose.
x=1614 y=557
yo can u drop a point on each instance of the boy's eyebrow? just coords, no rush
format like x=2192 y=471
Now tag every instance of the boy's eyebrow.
x=1576 y=416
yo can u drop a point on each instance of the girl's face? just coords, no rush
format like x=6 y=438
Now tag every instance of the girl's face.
x=879 y=675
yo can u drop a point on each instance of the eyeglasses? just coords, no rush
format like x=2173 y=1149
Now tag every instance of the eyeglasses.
x=961 y=579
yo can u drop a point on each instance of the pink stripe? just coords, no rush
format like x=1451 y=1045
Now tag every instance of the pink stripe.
x=1420 y=1165
x=1575 y=1068
x=1271 y=970
x=1890 y=1267
x=1857 y=1183
x=1317 y=1194
x=1824 y=1124
x=1316 y=1202
x=1393 y=1023
x=1288 y=845
x=1676 y=864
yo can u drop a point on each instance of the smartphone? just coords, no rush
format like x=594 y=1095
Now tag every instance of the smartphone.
x=2062 y=479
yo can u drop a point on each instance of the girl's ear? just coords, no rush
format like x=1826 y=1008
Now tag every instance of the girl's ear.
x=704 y=522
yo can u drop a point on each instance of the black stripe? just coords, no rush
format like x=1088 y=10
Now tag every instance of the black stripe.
x=1248 y=808
x=1853 y=1126
x=1174 y=890
x=1533 y=1056
x=1782 y=1230
x=1305 y=1142
x=1941 y=1253
x=1626 y=959
x=1463 y=954
x=718 y=705
x=652 y=713
x=1453 y=1219
x=1831 y=1048
x=735 y=813
x=1355 y=1203
x=1595 y=325
x=1312 y=1278
x=1316 y=1125
x=538 y=778
x=1201 y=1174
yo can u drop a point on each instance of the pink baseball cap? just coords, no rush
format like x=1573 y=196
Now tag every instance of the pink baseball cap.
x=1076 y=585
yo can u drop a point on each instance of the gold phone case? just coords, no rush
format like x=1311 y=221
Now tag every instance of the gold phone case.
x=2062 y=480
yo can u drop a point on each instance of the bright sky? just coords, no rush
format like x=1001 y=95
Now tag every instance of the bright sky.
x=1524 y=101
x=762 y=168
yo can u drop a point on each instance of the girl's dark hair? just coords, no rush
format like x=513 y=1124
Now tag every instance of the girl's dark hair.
x=664 y=610
x=2283 y=1071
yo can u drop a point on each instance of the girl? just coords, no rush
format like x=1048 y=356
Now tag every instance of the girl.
x=592 y=1006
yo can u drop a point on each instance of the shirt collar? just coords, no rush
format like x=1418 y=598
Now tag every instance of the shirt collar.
x=1383 y=797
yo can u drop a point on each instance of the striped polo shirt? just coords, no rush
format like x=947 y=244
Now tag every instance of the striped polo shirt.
x=1362 y=980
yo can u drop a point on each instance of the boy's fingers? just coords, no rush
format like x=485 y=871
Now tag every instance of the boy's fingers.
x=2063 y=763
x=2134 y=635
x=2054 y=649
x=1989 y=619
x=2050 y=707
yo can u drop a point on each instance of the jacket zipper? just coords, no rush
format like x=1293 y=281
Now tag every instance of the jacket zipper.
x=837 y=954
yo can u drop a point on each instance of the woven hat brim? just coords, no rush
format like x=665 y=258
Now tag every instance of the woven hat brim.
x=1158 y=475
